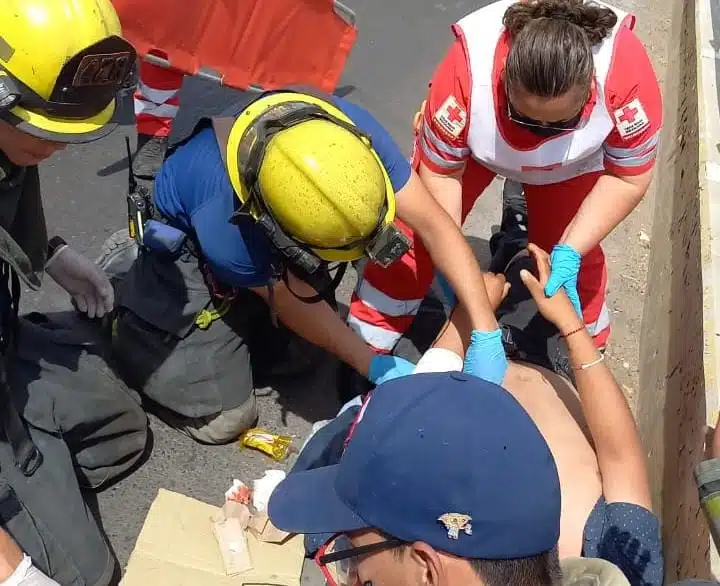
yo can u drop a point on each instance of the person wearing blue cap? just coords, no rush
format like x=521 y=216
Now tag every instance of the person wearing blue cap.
x=447 y=480
x=606 y=506
x=444 y=468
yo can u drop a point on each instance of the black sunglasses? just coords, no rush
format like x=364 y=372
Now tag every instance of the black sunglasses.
x=353 y=552
x=558 y=126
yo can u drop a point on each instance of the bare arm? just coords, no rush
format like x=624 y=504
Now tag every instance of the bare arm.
x=447 y=191
x=448 y=248
x=630 y=149
x=608 y=204
x=318 y=323
x=620 y=453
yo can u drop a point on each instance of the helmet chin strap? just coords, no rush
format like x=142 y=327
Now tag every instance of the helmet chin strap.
x=325 y=290
x=306 y=264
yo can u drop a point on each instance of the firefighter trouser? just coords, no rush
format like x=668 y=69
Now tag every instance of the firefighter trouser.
x=195 y=355
x=89 y=429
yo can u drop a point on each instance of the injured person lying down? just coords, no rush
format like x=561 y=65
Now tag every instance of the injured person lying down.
x=562 y=381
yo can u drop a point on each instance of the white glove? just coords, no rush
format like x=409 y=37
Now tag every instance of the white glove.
x=26 y=574
x=83 y=280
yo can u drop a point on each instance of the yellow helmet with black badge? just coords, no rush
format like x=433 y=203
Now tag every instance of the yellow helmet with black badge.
x=62 y=65
x=300 y=165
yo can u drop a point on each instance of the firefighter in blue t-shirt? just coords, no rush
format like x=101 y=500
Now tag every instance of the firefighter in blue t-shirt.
x=247 y=214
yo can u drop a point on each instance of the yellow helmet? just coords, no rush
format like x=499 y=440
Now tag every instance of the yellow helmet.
x=303 y=161
x=62 y=64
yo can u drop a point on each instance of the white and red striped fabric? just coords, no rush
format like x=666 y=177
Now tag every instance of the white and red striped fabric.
x=386 y=300
x=156 y=99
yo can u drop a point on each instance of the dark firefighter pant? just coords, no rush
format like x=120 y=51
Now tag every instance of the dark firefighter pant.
x=89 y=429
x=202 y=379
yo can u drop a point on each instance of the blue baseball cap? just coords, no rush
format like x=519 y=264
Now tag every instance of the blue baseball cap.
x=433 y=452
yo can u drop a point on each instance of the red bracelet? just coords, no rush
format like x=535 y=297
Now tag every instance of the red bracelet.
x=580 y=329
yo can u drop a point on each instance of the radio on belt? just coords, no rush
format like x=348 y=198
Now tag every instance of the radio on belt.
x=136 y=202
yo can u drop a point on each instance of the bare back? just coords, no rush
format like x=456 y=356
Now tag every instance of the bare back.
x=553 y=404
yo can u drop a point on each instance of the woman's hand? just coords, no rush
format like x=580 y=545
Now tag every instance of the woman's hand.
x=558 y=309
x=564 y=270
x=497 y=288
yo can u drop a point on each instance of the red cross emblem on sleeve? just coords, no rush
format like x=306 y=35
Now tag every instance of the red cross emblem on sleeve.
x=451 y=117
x=631 y=119
x=455 y=114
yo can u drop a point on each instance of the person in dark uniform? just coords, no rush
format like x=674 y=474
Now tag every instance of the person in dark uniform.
x=64 y=417
x=246 y=214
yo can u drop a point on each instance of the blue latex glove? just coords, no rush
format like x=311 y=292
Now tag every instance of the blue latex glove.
x=385 y=367
x=564 y=269
x=447 y=291
x=485 y=358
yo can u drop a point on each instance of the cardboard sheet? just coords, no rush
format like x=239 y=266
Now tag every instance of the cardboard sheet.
x=176 y=547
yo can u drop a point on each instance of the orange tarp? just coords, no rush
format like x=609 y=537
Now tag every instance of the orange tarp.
x=265 y=43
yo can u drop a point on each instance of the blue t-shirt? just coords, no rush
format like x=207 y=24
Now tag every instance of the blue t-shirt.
x=628 y=536
x=193 y=191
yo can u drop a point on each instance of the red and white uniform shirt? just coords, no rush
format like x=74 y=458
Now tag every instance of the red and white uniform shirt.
x=466 y=113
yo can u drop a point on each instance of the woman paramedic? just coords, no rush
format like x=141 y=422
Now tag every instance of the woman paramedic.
x=558 y=95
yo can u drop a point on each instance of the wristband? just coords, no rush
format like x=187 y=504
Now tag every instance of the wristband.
x=590 y=364
x=580 y=329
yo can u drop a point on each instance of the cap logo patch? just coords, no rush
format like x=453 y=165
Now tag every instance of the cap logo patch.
x=456 y=522
x=105 y=69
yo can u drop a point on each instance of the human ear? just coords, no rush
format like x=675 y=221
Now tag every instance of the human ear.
x=428 y=569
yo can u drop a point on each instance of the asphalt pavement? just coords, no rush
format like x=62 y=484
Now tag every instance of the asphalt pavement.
x=399 y=44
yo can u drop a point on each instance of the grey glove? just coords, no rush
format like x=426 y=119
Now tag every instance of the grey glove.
x=86 y=283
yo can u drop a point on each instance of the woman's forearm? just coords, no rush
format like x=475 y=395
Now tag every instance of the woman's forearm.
x=433 y=209
x=446 y=190
x=609 y=203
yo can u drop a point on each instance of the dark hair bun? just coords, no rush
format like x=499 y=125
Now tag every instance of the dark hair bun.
x=597 y=21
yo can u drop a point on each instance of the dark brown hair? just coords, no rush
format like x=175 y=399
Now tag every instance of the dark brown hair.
x=539 y=570
x=551 y=46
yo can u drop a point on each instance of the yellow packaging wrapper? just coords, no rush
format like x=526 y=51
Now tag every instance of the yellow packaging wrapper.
x=278 y=447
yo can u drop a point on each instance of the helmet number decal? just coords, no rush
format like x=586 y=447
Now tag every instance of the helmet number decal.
x=104 y=69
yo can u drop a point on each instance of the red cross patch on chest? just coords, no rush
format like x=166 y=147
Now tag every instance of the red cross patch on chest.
x=631 y=119
x=451 y=117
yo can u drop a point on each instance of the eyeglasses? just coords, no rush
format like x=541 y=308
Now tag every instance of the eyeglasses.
x=338 y=558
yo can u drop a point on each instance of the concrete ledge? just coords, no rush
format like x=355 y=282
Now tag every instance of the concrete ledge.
x=677 y=338
x=707 y=19
x=708 y=63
